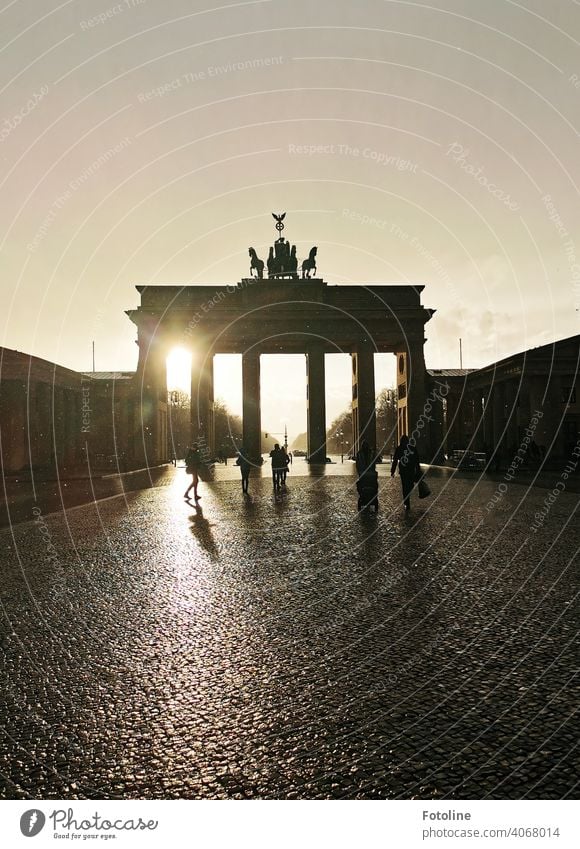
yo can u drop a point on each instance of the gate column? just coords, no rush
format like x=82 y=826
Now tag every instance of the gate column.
x=202 y=414
x=316 y=400
x=152 y=397
x=417 y=421
x=251 y=412
x=364 y=422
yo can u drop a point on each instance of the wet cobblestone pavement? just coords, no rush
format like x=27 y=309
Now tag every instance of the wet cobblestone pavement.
x=290 y=648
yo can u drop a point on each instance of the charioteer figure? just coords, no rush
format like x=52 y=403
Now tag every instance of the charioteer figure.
x=282 y=262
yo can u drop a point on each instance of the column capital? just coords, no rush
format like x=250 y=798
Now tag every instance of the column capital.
x=252 y=353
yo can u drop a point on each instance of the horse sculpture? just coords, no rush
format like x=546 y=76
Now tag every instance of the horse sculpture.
x=309 y=265
x=293 y=263
x=256 y=265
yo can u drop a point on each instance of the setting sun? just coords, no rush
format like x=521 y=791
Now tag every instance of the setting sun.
x=179 y=370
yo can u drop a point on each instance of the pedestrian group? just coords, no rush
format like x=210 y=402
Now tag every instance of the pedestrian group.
x=405 y=458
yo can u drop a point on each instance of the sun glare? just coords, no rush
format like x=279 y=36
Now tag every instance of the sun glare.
x=179 y=370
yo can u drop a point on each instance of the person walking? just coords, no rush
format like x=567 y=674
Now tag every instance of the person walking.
x=245 y=467
x=277 y=465
x=192 y=464
x=286 y=463
x=406 y=457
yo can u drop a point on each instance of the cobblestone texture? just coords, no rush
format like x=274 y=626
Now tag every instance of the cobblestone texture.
x=291 y=648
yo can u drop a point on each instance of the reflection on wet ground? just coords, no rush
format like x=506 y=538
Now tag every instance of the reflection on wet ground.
x=282 y=645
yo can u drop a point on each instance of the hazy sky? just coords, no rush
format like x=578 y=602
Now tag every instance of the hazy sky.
x=432 y=143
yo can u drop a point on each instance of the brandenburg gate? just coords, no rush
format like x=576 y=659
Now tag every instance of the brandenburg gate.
x=286 y=312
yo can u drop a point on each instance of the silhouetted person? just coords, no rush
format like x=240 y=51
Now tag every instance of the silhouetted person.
x=406 y=457
x=286 y=461
x=365 y=460
x=368 y=481
x=245 y=468
x=278 y=465
x=192 y=463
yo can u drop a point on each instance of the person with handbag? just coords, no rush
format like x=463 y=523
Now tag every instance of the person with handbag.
x=406 y=457
x=192 y=464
